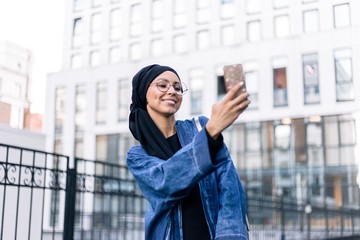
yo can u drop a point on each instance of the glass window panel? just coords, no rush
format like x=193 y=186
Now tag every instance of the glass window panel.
x=203 y=11
x=76 y=61
x=136 y=20
x=228 y=35
x=115 y=24
x=347 y=132
x=196 y=86
x=254 y=31
x=282 y=136
x=115 y=55
x=203 y=40
x=101 y=102
x=341 y=15
x=253 y=6
x=101 y=147
x=157 y=47
x=77 y=33
x=280 y=87
x=135 y=51
x=124 y=99
x=179 y=16
x=282 y=26
x=179 y=42
x=343 y=70
x=96 y=3
x=311 y=21
x=95 y=58
x=157 y=22
x=78 y=5
x=227 y=9
x=311 y=79
x=95 y=35
x=280 y=3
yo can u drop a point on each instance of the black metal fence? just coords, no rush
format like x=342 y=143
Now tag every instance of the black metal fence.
x=41 y=197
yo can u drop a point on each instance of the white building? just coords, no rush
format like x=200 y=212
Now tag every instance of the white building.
x=15 y=72
x=300 y=61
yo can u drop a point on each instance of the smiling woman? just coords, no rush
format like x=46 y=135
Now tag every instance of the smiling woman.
x=185 y=173
x=37 y=26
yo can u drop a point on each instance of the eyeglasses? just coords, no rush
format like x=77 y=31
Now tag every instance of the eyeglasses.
x=180 y=88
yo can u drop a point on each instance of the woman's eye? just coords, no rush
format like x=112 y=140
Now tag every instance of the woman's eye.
x=162 y=85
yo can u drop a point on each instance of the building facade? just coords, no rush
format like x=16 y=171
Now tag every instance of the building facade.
x=299 y=139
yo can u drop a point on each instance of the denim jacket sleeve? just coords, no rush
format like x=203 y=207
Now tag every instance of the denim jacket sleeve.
x=164 y=182
x=231 y=216
x=232 y=204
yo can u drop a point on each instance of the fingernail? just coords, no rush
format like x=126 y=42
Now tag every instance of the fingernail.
x=241 y=83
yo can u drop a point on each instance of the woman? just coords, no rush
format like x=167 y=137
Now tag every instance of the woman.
x=186 y=174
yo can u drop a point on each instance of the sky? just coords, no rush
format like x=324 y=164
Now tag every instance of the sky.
x=37 y=25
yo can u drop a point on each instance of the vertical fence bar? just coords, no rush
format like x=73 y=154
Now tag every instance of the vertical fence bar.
x=70 y=197
x=4 y=196
x=18 y=196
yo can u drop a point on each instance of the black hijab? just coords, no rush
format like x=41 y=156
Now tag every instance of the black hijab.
x=141 y=125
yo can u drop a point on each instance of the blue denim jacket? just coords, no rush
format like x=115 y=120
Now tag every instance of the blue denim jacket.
x=164 y=183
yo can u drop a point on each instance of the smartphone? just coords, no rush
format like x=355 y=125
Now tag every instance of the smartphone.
x=233 y=74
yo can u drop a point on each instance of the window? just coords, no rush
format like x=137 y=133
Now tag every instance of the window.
x=136 y=20
x=80 y=120
x=311 y=21
x=114 y=54
x=60 y=93
x=80 y=107
x=77 y=33
x=196 y=86
x=227 y=9
x=179 y=43
x=252 y=83
x=115 y=24
x=101 y=94
x=135 y=51
x=254 y=31
x=96 y=3
x=343 y=75
x=228 y=35
x=203 y=11
x=157 y=46
x=79 y=145
x=179 y=16
x=157 y=21
x=77 y=5
x=76 y=61
x=253 y=6
x=280 y=82
x=203 y=39
x=341 y=15
x=282 y=26
x=95 y=29
x=95 y=58
x=311 y=79
x=123 y=99
x=280 y=3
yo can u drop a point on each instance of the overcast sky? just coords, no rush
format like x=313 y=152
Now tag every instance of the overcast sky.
x=38 y=26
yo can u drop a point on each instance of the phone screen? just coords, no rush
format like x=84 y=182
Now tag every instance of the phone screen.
x=233 y=74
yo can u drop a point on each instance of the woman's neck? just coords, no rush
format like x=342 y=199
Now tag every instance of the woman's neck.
x=166 y=125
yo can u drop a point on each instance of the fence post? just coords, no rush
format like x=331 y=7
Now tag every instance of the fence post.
x=69 y=216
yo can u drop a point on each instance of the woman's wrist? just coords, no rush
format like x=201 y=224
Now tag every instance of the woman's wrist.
x=212 y=131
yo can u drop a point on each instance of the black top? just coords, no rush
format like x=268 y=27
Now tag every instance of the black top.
x=193 y=218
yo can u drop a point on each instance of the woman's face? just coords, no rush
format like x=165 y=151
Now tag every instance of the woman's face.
x=165 y=103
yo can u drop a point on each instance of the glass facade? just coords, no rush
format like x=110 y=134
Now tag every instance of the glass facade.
x=305 y=159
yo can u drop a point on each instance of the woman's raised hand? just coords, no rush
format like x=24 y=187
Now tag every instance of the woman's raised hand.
x=227 y=110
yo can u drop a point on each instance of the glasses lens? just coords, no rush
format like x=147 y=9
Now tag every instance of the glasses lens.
x=179 y=87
